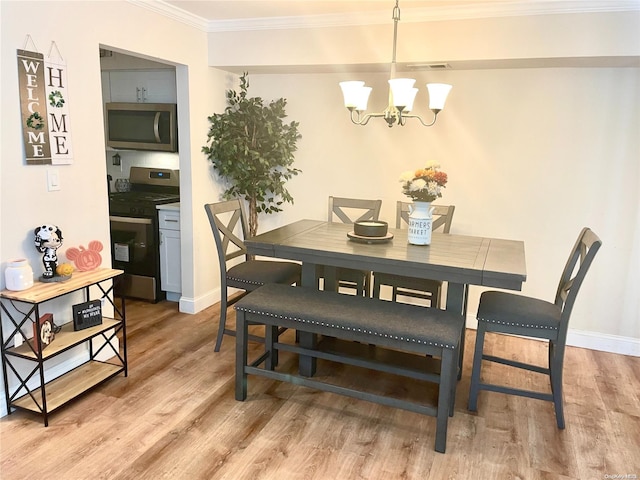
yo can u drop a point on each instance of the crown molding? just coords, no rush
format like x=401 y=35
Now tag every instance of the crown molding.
x=480 y=9
x=168 y=10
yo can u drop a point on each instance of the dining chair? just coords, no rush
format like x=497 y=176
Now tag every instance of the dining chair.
x=415 y=287
x=351 y=210
x=513 y=314
x=226 y=218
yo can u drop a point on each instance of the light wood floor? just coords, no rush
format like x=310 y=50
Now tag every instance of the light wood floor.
x=175 y=417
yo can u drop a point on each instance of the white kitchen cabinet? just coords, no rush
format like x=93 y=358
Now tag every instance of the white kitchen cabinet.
x=143 y=86
x=170 y=263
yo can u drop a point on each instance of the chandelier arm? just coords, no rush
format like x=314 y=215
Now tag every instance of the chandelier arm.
x=362 y=120
x=435 y=117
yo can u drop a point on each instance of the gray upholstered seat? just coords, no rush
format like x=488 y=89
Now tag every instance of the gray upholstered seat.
x=225 y=218
x=519 y=311
x=510 y=313
x=358 y=319
x=251 y=274
x=406 y=329
x=415 y=287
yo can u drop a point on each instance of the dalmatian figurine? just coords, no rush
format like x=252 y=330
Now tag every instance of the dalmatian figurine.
x=48 y=240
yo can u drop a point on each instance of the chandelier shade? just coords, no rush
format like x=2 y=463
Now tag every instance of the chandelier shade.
x=402 y=94
x=356 y=95
x=438 y=93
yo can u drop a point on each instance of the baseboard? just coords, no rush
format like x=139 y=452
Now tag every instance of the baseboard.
x=604 y=342
x=195 y=305
x=593 y=340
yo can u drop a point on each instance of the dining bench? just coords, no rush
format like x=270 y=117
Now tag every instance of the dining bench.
x=429 y=335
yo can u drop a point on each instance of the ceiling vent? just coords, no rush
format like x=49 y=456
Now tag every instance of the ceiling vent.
x=429 y=66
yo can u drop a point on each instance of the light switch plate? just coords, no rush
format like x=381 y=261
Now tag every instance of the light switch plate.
x=53 y=179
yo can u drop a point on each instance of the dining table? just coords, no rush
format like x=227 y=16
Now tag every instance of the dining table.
x=459 y=260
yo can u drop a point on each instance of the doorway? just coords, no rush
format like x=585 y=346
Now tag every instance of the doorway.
x=131 y=78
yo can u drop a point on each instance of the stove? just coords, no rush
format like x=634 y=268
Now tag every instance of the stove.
x=139 y=203
x=135 y=237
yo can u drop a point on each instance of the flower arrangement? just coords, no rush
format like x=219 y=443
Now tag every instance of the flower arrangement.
x=424 y=184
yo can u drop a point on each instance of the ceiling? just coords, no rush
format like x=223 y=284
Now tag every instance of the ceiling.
x=239 y=9
x=238 y=15
x=220 y=15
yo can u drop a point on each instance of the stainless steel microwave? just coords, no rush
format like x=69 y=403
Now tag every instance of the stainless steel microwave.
x=142 y=126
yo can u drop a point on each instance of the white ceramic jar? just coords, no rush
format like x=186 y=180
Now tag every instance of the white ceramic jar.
x=420 y=223
x=18 y=275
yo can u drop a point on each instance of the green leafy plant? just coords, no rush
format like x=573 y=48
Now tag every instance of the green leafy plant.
x=251 y=149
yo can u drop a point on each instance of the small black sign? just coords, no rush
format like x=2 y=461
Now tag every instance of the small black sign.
x=88 y=314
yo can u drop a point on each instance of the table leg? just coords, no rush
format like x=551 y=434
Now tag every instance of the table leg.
x=456 y=297
x=307 y=365
x=330 y=279
x=457 y=302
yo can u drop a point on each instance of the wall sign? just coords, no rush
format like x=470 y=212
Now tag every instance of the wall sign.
x=44 y=104
x=87 y=314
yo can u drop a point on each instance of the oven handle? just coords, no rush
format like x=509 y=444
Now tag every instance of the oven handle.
x=143 y=221
x=156 y=126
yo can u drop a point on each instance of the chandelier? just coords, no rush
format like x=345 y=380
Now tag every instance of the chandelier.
x=401 y=94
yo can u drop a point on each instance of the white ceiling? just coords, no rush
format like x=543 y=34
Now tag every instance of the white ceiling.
x=218 y=15
x=238 y=15
x=237 y=9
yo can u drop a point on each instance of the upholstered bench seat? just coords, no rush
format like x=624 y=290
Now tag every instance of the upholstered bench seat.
x=408 y=328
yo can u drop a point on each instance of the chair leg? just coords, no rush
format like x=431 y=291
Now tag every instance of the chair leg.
x=376 y=287
x=242 y=334
x=461 y=353
x=435 y=300
x=367 y=285
x=223 y=321
x=555 y=373
x=477 y=365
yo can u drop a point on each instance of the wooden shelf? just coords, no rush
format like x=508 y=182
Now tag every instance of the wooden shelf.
x=69 y=386
x=65 y=339
x=41 y=292
x=49 y=396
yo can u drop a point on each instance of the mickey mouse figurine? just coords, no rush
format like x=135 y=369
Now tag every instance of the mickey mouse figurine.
x=48 y=240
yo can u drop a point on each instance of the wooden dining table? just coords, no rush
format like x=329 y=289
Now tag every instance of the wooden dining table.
x=459 y=260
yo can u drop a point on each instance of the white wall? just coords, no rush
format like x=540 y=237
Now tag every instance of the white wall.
x=532 y=154
x=80 y=208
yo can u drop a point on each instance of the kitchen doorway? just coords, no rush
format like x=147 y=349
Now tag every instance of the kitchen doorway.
x=130 y=78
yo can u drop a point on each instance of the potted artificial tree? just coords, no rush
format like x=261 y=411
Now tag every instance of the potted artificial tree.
x=251 y=149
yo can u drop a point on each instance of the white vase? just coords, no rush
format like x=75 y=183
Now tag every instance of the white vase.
x=420 y=223
x=18 y=275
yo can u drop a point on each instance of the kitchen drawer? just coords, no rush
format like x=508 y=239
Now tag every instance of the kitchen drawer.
x=169 y=219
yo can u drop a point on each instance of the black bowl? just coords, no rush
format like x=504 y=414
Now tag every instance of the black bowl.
x=370 y=228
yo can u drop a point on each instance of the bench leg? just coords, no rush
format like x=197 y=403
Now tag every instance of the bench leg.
x=242 y=339
x=271 y=334
x=448 y=370
x=456 y=302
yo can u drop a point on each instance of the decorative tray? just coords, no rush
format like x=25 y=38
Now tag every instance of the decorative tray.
x=363 y=239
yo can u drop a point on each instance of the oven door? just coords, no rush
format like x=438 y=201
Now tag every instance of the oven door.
x=134 y=249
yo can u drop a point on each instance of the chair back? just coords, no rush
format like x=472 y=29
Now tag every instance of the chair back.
x=442 y=216
x=348 y=209
x=224 y=218
x=575 y=270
